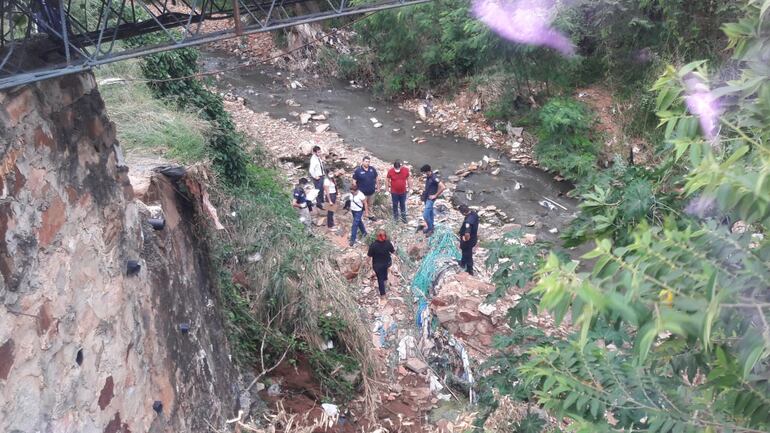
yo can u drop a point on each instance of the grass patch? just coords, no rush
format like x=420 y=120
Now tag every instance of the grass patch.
x=147 y=124
x=294 y=285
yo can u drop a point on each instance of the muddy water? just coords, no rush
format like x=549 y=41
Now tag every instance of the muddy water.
x=349 y=113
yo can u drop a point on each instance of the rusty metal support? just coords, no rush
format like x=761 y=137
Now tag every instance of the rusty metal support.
x=70 y=41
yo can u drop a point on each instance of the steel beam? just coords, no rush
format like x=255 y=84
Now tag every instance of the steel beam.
x=78 y=42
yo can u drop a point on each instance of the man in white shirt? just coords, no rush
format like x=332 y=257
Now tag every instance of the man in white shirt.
x=317 y=173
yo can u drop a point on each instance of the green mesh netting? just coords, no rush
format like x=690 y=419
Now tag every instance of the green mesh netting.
x=442 y=251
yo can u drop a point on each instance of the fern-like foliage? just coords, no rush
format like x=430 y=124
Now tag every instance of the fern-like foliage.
x=672 y=319
x=685 y=303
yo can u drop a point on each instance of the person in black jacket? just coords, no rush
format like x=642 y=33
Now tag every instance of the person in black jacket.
x=468 y=237
x=380 y=251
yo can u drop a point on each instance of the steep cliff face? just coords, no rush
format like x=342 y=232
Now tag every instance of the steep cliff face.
x=85 y=346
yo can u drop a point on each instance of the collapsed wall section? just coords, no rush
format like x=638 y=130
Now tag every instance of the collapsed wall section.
x=84 y=346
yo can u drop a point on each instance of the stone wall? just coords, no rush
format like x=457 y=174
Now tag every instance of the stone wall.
x=84 y=347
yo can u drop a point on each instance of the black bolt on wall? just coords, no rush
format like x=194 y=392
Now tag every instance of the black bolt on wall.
x=133 y=267
x=157 y=223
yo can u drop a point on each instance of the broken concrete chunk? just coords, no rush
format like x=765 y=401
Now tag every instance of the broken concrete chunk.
x=416 y=365
x=322 y=128
x=487 y=309
x=304 y=118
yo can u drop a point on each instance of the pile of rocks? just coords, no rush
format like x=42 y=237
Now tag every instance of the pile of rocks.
x=469 y=122
x=460 y=308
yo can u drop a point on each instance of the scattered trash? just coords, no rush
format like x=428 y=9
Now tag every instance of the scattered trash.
x=274 y=390
x=173 y=172
x=330 y=410
x=374 y=120
x=254 y=258
x=553 y=230
x=378 y=125
x=546 y=204
x=406 y=347
x=554 y=202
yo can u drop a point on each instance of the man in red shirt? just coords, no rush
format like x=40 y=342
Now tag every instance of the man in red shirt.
x=398 y=183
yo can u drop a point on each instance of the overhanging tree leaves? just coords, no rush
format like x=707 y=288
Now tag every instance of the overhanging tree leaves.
x=693 y=295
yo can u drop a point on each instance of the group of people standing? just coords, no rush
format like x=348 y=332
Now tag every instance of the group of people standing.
x=363 y=190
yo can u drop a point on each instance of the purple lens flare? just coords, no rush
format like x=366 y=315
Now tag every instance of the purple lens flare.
x=702 y=103
x=524 y=21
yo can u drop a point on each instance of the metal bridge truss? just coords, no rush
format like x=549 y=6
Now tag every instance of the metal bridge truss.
x=41 y=39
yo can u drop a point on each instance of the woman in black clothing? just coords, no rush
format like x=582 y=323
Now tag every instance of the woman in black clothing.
x=380 y=251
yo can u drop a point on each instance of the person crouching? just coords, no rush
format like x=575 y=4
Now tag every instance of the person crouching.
x=301 y=203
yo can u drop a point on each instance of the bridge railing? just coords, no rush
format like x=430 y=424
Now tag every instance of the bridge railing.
x=42 y=39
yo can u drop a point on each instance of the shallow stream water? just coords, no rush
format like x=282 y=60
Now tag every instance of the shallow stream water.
x=266 y=89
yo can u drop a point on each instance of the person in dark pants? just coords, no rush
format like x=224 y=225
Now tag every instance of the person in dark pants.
x=318 y=174
x=398 y=183
x=380 y=251
x=359 y=208
x=468 y=237
x=433 y=189
x=330 y=195
x=366 y=179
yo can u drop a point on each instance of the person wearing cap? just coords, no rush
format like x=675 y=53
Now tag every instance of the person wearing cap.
x=359 y=208
x=366 y=179
x=468 y=237
x=318 y=174
x=398 y=184
x=299 y=200
x=380 y=251
x=433 y=189
x=330 y=196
